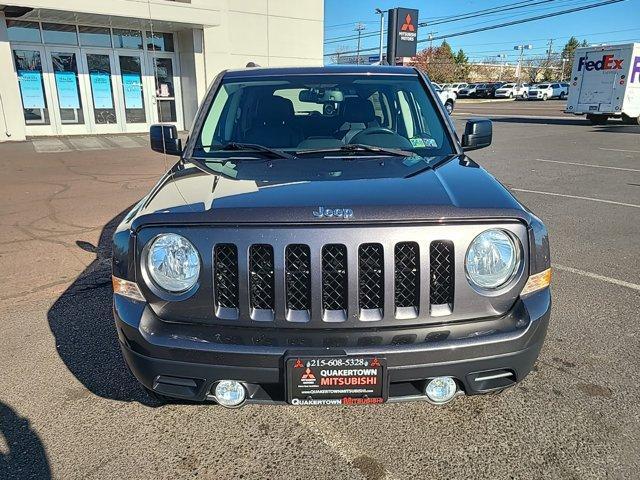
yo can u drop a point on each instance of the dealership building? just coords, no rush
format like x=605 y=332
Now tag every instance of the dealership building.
x=82 y=67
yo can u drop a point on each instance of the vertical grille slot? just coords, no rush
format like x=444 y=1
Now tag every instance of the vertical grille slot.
x=225 y=264
x=442 y=277
x=371 y=281
x=407 y=279
x=334 y=283
x=298 y=282
x=261 y=282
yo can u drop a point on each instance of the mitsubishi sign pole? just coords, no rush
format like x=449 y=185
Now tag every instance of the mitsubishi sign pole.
x=402 y=34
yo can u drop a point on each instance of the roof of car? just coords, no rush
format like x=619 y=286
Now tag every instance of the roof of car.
x=254 y=72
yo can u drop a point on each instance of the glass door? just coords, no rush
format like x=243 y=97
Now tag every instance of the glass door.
x=165 y=81
x=104 y=116
x=68 y=92
x=133 y=108
x=33 y=72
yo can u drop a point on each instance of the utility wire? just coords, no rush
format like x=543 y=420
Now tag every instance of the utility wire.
x=501 y=25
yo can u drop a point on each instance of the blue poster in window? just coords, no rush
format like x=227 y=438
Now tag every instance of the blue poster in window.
x=101 y=89
x=31 y=89
x=132 y=86
x=67 y=86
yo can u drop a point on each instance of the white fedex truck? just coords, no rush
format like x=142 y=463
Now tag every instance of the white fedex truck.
x=605 y=82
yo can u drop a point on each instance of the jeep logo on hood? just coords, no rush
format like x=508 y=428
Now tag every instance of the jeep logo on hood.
x=323 y=212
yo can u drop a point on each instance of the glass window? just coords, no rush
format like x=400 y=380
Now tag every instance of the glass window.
x=23 y=31
x=101 y=88
x=95 y=36
x=165 y=93
x=59 y=33
x=65 y=71
x=131 y=75
x=127 y=39
x=34 y=101
x=159 y=42
x=260 y=111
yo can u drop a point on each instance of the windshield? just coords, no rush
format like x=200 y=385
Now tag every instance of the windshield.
x=316 y=112
x=542 y=86
x=508 y=85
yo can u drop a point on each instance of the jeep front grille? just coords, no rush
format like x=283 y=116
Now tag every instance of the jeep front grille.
x=312 y=277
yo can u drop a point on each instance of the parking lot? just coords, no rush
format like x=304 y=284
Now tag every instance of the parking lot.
x=70 y=410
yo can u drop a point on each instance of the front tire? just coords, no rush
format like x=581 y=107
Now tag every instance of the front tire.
x=627 y=120
x=510 y=94
x=562 y=95
x=545 y=97
x=596 y=119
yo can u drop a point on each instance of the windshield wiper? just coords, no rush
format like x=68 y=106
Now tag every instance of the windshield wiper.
x=235 y=146
x=359 y=147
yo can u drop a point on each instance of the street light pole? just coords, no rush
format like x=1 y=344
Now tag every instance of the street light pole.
x=503 y=57
x=359 y=28
x=522 y=48
x=381 y=13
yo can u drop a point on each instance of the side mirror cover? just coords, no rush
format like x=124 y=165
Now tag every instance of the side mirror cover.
x=478 y=133
x=164 y=139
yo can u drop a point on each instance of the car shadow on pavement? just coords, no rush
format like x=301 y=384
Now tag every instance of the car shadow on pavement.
x=613 y=125
x=26 y=457
x=81 y=321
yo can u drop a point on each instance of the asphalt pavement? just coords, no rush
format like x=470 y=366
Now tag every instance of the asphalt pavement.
x=70 y=410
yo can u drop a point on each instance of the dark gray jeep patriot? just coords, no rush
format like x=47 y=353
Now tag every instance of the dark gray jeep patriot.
x=324 y=239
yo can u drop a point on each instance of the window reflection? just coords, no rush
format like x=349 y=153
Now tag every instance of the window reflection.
x=127 y=39
x=34 y=102
x=59 y=33
x=95 y=36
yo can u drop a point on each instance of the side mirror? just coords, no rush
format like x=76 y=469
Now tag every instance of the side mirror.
x=164 y=139
x=478 y=133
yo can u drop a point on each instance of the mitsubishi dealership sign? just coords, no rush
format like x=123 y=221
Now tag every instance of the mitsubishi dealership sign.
x=402 y=38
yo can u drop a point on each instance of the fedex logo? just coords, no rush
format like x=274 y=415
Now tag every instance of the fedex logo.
x=607 y=63
x=635 y=71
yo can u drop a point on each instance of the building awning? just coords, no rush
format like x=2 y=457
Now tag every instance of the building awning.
x=165 y=15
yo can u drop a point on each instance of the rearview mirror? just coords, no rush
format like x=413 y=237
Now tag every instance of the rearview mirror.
x=478 y=133
x=164 y=139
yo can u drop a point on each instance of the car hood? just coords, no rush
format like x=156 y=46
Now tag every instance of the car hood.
x=289 y=191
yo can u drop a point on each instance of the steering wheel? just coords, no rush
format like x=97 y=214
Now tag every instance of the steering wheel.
x=390 y=138
x=376 y=131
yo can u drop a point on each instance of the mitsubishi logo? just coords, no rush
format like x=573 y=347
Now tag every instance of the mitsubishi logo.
x=407 y=26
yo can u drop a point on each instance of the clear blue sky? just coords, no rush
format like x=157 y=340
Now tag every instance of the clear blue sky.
x=615 y=23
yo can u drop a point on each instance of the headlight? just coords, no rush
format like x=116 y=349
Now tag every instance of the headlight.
x=173 y=263
x=492 y=259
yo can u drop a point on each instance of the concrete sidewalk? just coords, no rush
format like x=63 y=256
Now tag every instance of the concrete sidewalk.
x=88 y=142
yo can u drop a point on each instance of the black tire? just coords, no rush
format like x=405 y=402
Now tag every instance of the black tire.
x=545 y=97
x=562 y=95
x=448 y=106
x=510 y=94
x=597 y=119
x=627 y=120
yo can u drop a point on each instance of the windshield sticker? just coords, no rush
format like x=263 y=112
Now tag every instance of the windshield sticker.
x=419 y=142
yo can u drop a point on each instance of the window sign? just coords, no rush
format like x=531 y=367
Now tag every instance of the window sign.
x=31 y=89
x=101 y=88
x=132 y=86
x=67 y=90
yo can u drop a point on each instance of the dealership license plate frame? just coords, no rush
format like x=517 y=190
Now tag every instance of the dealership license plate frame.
x=317 y=363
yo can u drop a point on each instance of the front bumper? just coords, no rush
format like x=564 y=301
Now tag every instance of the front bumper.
x=185 y=361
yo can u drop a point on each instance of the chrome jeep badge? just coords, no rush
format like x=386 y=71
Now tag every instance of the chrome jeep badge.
x=323 y=212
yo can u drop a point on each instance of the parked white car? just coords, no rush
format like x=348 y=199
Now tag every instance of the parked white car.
x=512 y=90
x=447 y=97
x=455 y=87
x=546 y=91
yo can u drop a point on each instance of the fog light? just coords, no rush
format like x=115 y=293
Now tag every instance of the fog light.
x=230 y=393
x=441 y=389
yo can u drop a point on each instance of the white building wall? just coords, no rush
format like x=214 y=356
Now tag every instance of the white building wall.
x=212 y=35
x=11 y=118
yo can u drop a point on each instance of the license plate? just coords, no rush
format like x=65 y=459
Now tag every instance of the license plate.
x=336 y=380
x=593 y=107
